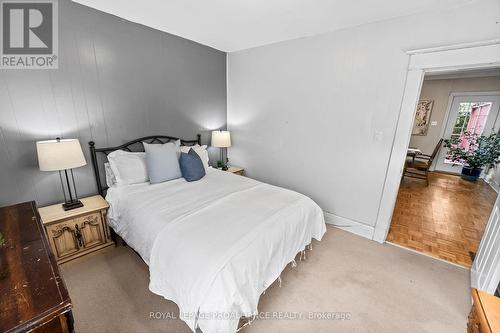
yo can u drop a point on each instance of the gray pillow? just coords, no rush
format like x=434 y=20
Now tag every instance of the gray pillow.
x=162 y=162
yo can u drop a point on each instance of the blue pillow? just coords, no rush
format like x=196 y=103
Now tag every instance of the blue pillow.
x=191 y=166
x=162 y=162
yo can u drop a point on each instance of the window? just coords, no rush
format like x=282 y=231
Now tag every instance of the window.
x=472 y=118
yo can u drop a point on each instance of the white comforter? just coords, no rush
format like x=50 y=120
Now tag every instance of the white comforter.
x=214 y=245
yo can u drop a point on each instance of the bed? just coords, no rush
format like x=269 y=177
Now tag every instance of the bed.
x=213 y=246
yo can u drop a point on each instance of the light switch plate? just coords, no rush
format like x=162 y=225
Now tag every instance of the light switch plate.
x=434 y=123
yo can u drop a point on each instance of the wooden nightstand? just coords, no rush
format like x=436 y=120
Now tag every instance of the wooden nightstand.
x=79 y=231
x=236 y=170
x=484 y=316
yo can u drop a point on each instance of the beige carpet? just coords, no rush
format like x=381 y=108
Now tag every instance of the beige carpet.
x=382 y=288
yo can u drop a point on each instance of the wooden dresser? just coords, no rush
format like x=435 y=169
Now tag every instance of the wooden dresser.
x=33 y=296
x=484 y=316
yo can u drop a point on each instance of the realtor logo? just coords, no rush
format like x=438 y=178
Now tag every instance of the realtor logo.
x=28 y=34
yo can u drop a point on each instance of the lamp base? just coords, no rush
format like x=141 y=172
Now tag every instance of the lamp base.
x=72 y=204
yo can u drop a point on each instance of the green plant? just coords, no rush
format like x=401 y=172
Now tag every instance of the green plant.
x=473 y=150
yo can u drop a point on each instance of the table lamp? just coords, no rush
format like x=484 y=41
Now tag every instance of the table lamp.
x=221 y=140
x=62 y=155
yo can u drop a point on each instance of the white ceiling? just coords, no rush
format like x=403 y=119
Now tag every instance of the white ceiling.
x=231 y=25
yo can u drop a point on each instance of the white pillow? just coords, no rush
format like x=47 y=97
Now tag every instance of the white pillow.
x=110 y=176
x=200 y=150
x=129 y=168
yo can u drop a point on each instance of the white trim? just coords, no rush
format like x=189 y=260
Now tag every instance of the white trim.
x=489 y=178
x=464 y=58
x=227 y=92
x=485 y=271
x=453 y=47
x=398 y=154
x=475 y=55
x=471 y=74
x=494 y=185
x=346 y=224
x=474 y=276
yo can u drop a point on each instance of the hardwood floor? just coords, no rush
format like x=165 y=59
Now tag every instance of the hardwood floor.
x=445 y=219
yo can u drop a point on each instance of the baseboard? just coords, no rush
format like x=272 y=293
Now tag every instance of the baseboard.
x=494 y=185
x=346 y=224
x=474 y=278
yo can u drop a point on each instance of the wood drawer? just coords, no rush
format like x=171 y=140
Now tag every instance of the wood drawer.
x=484 y=316
x=74 y=237
x=62 y=239
x=91 y=228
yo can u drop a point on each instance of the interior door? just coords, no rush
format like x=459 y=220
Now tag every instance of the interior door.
x=473 y=113
x=485 y=271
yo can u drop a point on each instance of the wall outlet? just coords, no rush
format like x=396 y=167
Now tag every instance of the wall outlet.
x=434 y=123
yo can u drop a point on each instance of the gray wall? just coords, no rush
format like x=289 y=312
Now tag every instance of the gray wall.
x=116 y=81
x=319 y=114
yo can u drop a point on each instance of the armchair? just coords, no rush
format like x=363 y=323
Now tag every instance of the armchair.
x=419 y=166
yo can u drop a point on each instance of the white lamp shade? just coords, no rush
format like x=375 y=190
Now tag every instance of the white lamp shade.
x=221 y=139
x=54 y=155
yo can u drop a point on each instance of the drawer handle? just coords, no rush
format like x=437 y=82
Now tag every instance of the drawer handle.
x=78 y=235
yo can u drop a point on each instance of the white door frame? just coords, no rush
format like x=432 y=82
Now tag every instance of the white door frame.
x=485 y=270
x=457 y=57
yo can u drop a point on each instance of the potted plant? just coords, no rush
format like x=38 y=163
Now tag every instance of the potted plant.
x=474 y=152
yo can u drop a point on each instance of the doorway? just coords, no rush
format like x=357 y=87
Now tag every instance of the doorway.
x=478 y=55
x=437 y=212
x=475 y=113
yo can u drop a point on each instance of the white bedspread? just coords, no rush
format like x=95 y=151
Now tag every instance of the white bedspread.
x=214 y=245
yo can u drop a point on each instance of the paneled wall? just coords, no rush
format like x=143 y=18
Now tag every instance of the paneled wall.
x=116 y=81
x=319 y=114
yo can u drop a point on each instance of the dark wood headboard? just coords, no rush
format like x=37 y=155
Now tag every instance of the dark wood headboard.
x=131 y=146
